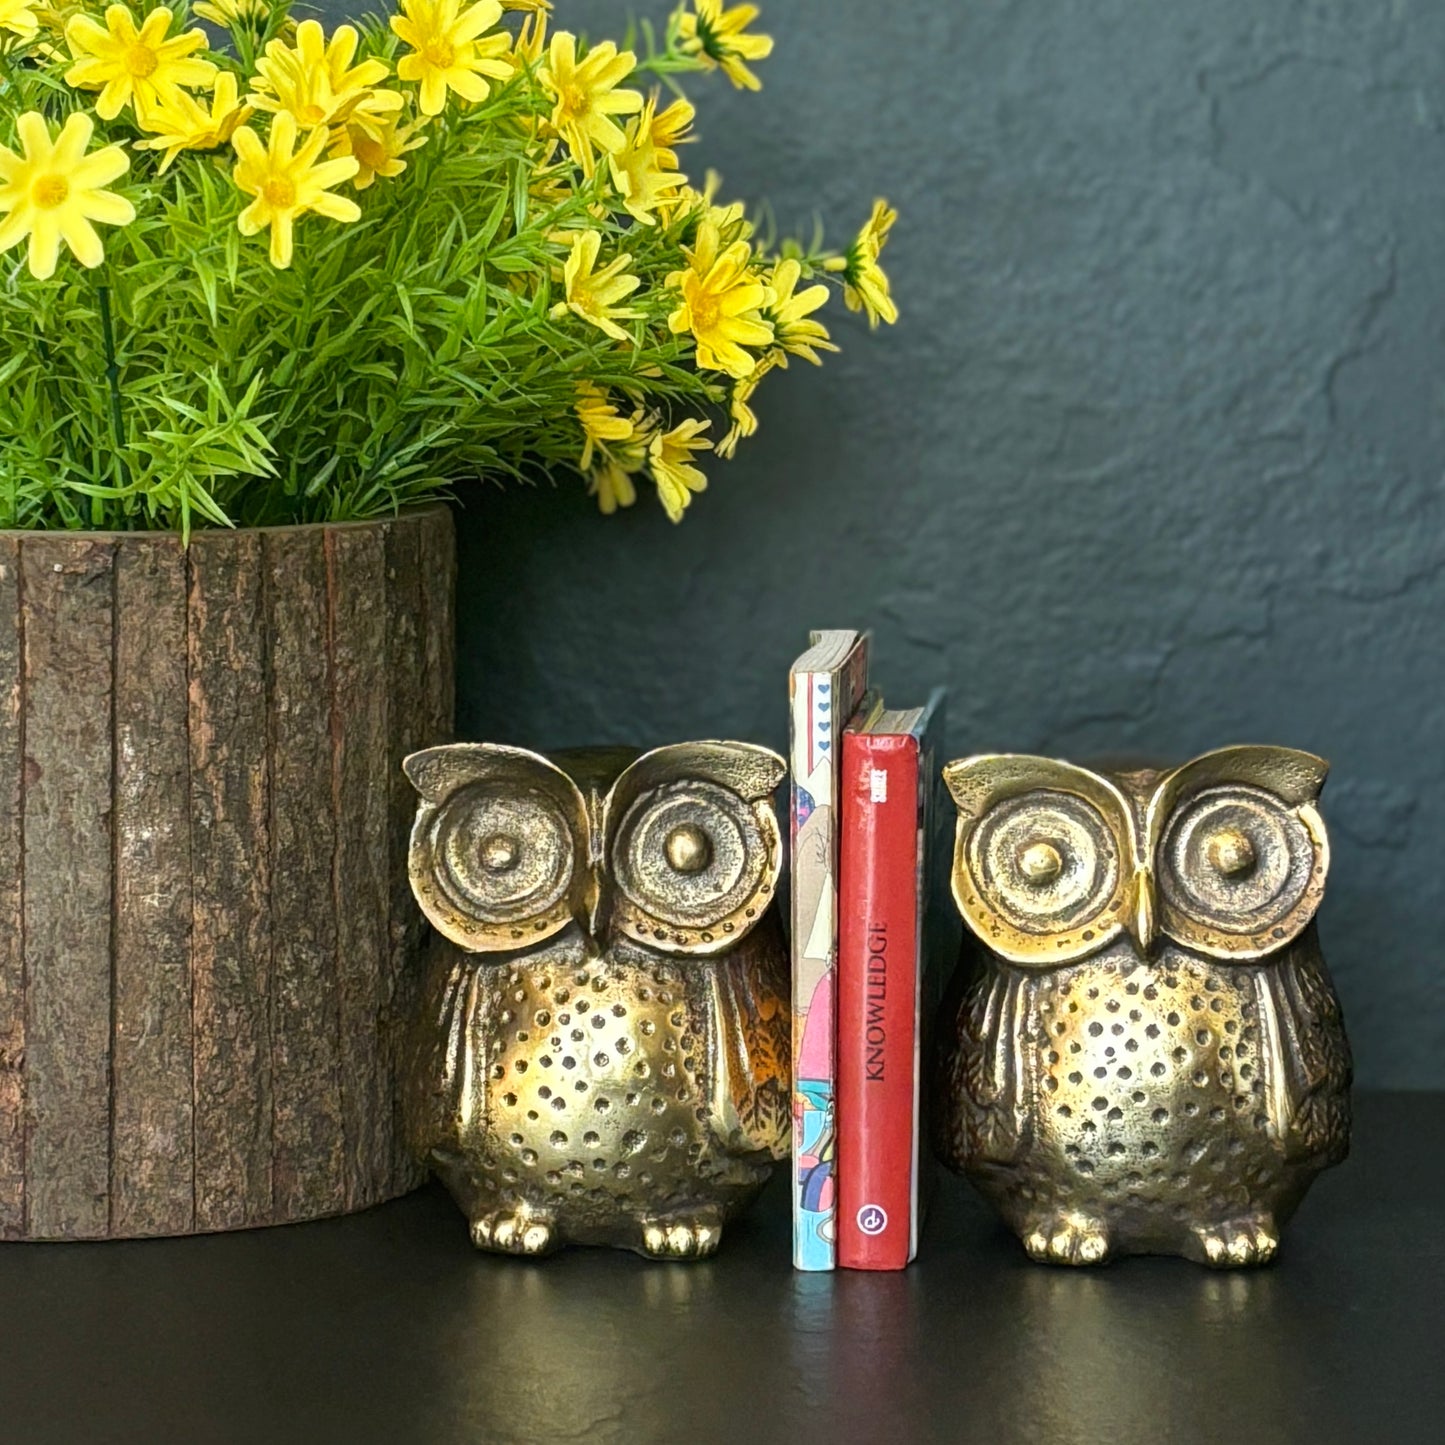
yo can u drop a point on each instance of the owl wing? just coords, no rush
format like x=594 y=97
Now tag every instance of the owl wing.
x=441 y=1087
x=1311 y=1053
x=984 y=1070
x=752 y=1036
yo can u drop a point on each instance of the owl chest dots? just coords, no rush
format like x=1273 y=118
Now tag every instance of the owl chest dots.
x=1149 y=1082
x=595 y=1083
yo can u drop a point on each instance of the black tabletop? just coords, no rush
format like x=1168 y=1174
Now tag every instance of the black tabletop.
x=388 y=1327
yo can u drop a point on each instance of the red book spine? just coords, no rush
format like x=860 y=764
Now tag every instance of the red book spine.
x=877 y=1000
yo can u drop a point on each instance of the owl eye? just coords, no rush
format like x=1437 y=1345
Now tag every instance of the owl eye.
x=1237 y=861
x=688 y=857
x=500 y=846
x=503 y=858
x=1045 y=863
x=1043 y=859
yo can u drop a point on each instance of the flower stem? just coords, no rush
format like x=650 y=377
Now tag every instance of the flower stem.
x=112 y=377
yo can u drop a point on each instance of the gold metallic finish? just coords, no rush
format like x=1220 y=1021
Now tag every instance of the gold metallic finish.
x=602 y=1050
x=1230 y=853
x=500 y=853
x=1040 y=863
x=687 y=849
x=1143 y=1052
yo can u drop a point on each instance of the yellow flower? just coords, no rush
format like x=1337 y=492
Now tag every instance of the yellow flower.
x=531 y=42
x=228 y=13
x=449 y=51
x=637 y=172
x=618 y=461
x=134 y=67
x=611 y=483
x=721 y=304
x=586 y=96
x=670 y=129
x=874 y=235
x=377 y=145
x=790 y=311
x=54 y=191
x=18 y=18
x=601 y=422
x=730 y=221
x=185 y=125
x=316 y=82
x=865 y=287
x=715 y=36
x=287 y=183
x=744 y=418
x=669 y=454
x=594 y=296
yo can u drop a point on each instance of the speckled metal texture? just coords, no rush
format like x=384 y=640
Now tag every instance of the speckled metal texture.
x=1143 y=1052
x=601 y=1052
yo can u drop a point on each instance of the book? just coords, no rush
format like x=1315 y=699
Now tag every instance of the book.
x=888 y=812
x=825 y=686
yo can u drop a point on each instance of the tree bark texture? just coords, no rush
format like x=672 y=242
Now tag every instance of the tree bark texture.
x=207 y=940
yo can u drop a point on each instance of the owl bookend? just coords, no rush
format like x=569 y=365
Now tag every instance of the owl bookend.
x=1142 y=1052
x=601 y=1052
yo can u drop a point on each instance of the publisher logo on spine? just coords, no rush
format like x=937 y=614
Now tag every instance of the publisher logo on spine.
x=872 y=1219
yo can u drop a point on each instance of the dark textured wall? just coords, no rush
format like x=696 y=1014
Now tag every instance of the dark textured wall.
x=1152 y=462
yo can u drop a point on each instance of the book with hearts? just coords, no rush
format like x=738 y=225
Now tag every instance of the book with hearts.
x=825 y=687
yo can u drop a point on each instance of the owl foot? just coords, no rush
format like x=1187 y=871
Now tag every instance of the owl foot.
x=694 y=1236
x=1067 y=1239
x=1234 y=1243
x=514 y=1231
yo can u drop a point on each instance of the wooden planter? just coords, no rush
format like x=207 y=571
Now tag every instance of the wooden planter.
x=206 y=933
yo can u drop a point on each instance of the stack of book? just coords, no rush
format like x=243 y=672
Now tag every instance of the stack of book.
x=864 y=811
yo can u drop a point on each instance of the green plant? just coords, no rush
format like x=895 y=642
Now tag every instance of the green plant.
x=497 y=269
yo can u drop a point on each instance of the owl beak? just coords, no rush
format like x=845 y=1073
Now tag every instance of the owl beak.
x=597 y=906
x=1142 y=923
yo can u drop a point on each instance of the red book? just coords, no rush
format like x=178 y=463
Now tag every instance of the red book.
x=888 y=783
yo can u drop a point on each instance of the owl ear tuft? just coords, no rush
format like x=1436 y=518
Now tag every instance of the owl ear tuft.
x=1292 y=775
x=436 y=773
x=750 y=771
x=977 y=783
x=428 y=771
x=756 y=771
x=967 y=779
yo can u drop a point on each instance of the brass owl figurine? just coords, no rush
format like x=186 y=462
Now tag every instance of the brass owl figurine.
x=1142 y=1050
x=602 y=1050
